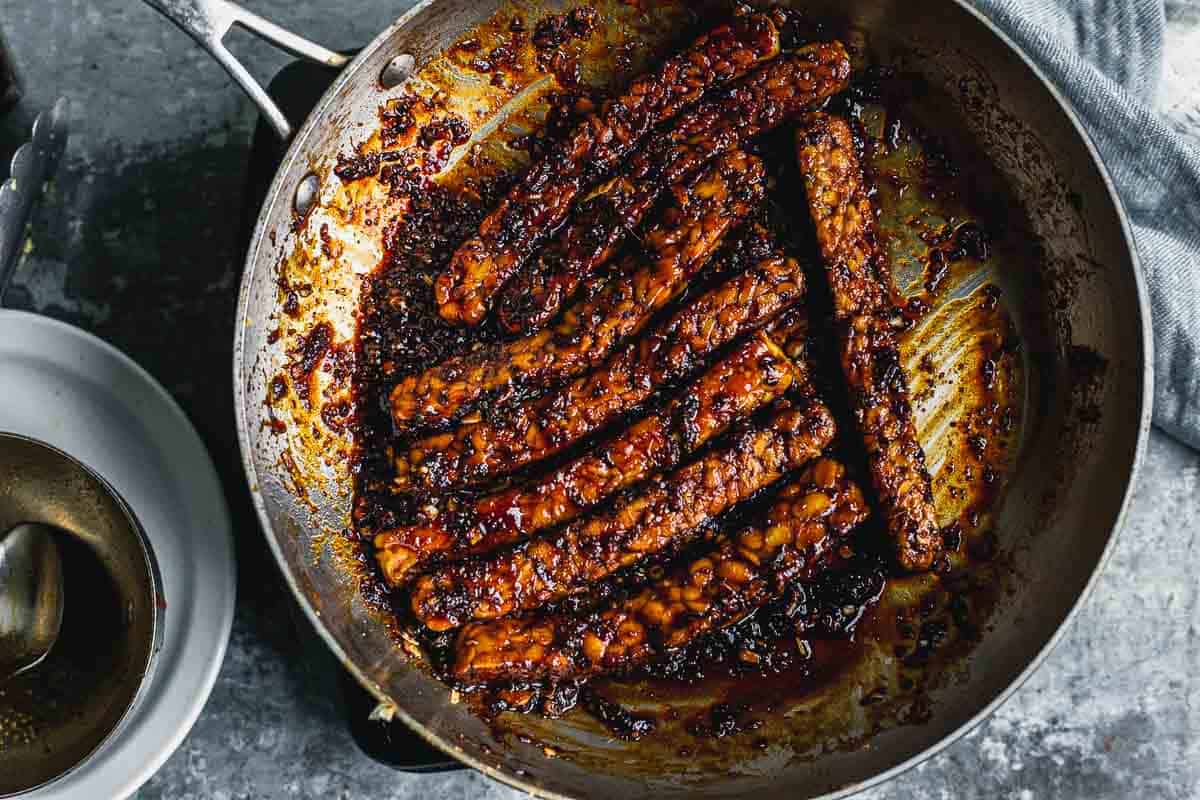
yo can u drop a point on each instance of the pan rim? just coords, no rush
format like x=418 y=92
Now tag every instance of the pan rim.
x=276 y=193
x=1145 y=414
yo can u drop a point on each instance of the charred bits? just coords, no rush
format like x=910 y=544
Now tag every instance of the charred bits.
x=553 y=34
x=618 y=719
x=353 y=168
x=310 y=353
x=557 y=29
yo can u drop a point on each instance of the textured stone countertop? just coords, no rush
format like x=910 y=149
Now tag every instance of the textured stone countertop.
x=139 y=244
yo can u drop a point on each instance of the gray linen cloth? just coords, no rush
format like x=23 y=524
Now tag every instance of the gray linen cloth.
x=1106 y=56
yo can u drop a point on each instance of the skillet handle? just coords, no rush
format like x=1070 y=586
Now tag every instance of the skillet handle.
x=207 y=21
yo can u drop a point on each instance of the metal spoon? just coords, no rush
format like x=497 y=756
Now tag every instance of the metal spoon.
x=32 y=165
x=31 y=597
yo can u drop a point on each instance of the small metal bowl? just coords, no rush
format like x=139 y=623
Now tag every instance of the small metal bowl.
x=54 y=717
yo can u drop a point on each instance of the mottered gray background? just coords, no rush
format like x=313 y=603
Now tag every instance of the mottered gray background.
x=139 y=243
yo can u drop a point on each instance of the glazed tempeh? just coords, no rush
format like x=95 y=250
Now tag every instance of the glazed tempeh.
x=728 y=120
x=539 y=202
x=809 y=520
x=840 y=206
x=597 y=227
x=536 y=429
x=845 y=226
x=705 y=209
x=880 y=402
x=665 y=513
x=754 y=375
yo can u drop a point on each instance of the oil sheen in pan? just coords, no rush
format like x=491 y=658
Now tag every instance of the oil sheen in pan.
x=493 y=84
x=968 y=378
x=963 y=356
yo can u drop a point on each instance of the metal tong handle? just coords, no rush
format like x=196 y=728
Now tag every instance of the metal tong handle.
x=207 y=21
x=32 y=166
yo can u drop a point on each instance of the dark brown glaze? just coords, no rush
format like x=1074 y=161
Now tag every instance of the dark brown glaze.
x=753 y=376
x=510 y=439
x=597 y=227
x=744 y=571
x=557 y=29
x=799 y=647
x=844 y=220
x=879 y=399
x=840 y=206
x=758 y=103
x=536 y=206
x=666 y=513
x=307 y=357
x=703 y=211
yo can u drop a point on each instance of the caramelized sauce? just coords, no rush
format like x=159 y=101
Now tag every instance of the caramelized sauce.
x=860 y=637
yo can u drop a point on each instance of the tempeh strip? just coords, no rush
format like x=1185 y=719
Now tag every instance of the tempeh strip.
x=880 y=401
x=665 y=513
x=811 y=518
x=597 y=226
x=840 y=206
x=735 y=115
x=677 y=247
x=754 y=375
x=512 y=438
x=858 y=277
x=537 y=205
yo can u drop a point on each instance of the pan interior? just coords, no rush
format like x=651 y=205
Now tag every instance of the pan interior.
x=1074 y=386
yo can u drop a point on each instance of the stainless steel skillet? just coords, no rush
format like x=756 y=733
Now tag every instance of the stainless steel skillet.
x=1086 y=400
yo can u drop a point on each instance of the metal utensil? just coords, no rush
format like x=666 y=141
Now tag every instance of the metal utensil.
x=82 y=693
x=32 y=165
x=31 y=597
x=207 y=21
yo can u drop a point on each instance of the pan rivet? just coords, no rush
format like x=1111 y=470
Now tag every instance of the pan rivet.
x=397 y=71
x=306 y=194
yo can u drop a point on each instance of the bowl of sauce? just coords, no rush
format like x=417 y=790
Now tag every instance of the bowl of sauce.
x=54 y=717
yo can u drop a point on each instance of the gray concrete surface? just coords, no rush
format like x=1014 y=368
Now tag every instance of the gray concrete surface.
x=139 y=244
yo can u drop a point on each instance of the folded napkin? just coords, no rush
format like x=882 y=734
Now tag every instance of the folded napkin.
x=1106 y=56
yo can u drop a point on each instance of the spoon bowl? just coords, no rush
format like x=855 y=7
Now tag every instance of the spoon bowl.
x=62 y=525
x=31 y=597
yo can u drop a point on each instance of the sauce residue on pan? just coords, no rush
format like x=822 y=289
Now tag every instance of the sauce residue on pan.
x=880 y=646
x=424 y=180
